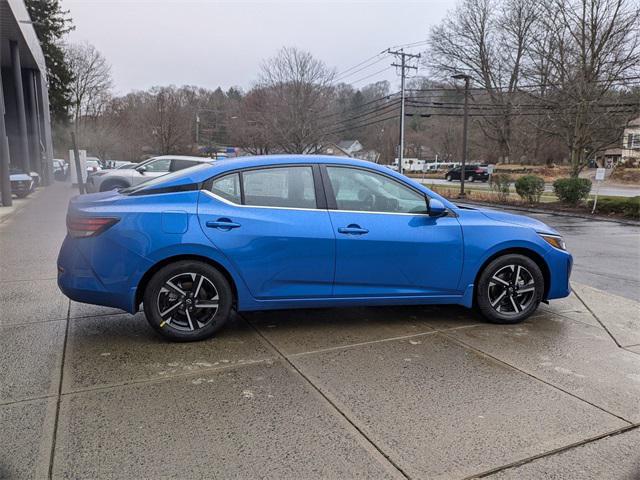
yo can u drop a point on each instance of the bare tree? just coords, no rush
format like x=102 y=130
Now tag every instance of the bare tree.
x=297 y=91
x=592 y=47
x=169 y=118
x=487 y=40
x=91 y=86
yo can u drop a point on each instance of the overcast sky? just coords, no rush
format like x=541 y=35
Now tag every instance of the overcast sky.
x=222 y=43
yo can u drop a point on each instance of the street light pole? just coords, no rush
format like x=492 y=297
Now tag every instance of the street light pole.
x=465 y=130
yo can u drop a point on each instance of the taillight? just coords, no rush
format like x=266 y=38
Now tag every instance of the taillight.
x=83 y=227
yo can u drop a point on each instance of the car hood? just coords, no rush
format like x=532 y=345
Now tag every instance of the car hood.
x=520 y=220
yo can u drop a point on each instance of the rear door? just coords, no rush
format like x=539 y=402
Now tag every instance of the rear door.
x=272 y=224
x=386 y=243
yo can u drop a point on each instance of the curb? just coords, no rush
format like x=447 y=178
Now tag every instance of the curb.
x=558 y=213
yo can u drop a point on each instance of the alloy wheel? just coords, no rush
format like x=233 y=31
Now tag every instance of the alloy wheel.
x=187 y=301
x=511 y=290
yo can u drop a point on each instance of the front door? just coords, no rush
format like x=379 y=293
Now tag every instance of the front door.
x=268 y=223
x=386 y=243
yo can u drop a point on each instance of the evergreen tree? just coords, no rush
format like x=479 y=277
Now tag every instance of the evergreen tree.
x=51 y=23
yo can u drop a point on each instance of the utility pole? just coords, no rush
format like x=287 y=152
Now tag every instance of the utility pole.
x=403 y=56
x=465 y=129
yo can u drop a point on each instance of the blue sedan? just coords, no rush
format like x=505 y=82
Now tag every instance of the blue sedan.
x=276 y=232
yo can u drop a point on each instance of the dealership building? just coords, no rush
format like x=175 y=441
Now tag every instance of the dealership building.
x=25 y=128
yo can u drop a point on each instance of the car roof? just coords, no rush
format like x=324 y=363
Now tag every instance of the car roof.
x=183 y=157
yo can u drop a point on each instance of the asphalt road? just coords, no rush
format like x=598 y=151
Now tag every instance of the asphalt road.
x=606 y=254
x=605 y=190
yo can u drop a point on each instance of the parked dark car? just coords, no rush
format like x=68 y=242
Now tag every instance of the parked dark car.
x=473 y=173
x=21 y=183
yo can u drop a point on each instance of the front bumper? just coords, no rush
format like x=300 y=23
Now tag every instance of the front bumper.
x=560 y=264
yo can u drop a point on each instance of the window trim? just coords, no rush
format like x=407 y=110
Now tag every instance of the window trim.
x=331 y=198
x=321 y=201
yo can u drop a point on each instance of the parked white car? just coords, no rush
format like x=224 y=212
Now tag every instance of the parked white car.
x=106 y=180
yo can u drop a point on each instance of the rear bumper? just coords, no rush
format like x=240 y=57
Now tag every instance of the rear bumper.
x=78 y=281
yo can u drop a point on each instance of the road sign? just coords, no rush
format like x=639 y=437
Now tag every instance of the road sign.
x=599 y=178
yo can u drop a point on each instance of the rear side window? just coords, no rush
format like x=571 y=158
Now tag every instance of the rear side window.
x=290 y=187
x=179 y=164
x=228 y=187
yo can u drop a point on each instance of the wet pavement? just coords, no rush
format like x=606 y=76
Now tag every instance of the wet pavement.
x=402 y=392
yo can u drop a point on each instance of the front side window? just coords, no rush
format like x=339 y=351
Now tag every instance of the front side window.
x=290 y=187
x=228 y=187
x=365 y=191
x=160 y=165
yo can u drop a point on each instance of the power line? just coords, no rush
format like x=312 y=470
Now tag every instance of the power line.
x=367 y=116
x=372 y=75
x=341 y=77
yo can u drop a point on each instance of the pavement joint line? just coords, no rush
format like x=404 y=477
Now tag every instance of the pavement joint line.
x=333 y=405
x=59 y=395
x=555 y=451
x=27 y=400
x=201 y=371
x=35 y=322
x=524 y=372
x=373 y=342
x=596 y=317
x=28 y=280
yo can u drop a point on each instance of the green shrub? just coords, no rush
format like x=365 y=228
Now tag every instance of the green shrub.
x=500 y=184
x=572 y=190
x=530 y=188
x=629 y=207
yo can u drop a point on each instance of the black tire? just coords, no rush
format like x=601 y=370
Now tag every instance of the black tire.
x=180 y=325
x=113 y=185
x=520 y=299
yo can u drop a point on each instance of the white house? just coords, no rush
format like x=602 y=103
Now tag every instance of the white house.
x=629 y=151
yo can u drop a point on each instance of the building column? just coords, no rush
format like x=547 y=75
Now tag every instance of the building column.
x=45 y=118
x=20 y=106
x=5 y=182
x=36 y=149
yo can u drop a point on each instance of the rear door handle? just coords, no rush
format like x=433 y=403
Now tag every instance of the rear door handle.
x=353 y=229
x=223 y=224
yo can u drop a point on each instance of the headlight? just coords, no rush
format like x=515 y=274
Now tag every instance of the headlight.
x=554 y=240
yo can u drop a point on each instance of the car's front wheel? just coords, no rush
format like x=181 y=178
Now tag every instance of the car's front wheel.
x=187 y=301
x=510 y=289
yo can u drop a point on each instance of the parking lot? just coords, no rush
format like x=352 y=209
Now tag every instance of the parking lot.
x=398 y=392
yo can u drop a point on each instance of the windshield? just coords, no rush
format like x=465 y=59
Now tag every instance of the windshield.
x=158 y=181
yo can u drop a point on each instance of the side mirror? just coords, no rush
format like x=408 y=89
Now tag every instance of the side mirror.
x=141 y=169
x=436 y=208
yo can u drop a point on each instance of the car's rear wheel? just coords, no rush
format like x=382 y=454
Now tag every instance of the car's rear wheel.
x=187 y=301
x=510 y=289
x=113 y=185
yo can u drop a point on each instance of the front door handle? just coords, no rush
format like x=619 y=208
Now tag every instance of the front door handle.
x=353 y=229
x=223 y=224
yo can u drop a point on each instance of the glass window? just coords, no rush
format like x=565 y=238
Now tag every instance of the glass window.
x=365 y=191
x=179 y=164
x=279 y=187
x=228 y=187
x=160 y=165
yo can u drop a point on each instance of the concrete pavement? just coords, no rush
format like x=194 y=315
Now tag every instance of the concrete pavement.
x=411 y=392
